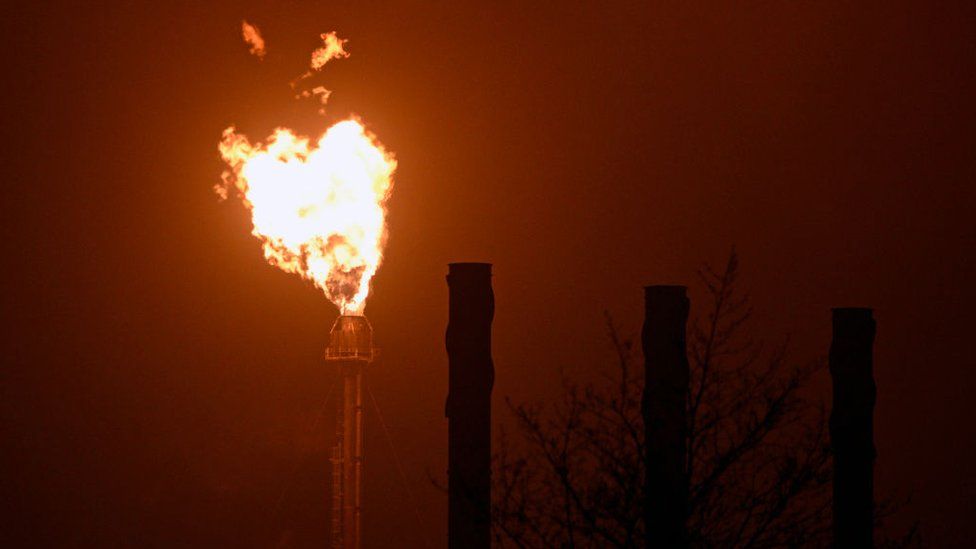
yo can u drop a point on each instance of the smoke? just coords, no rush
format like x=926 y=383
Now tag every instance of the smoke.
x=252 y=36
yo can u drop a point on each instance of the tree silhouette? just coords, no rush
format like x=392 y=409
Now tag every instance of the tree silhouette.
x=758 y=456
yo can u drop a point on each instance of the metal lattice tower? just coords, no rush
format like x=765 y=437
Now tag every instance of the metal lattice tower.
x=350 y=350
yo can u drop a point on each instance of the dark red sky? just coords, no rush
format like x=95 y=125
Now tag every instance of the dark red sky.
x=160 y=381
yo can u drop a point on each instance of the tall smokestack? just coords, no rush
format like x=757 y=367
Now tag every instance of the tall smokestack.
x=471 y=375
x=666 y=381
x=852 y=426
x=350 y=350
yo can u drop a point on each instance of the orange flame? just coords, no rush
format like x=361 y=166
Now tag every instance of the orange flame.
x=252 y=36
x=333 y=47
x=318 y=91
x=318 y=208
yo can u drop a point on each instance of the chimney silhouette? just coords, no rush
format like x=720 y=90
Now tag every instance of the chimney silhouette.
x=852 y=426
x=666 y=381
x=471 y=375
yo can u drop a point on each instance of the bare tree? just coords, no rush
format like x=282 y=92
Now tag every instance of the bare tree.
x=758 y=461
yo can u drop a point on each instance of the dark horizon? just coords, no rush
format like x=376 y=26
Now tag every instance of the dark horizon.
x=162 y=383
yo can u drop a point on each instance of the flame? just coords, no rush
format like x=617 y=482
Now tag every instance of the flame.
x=320 y=92
x=252 y=36
x=333 y=47
x=318 y=207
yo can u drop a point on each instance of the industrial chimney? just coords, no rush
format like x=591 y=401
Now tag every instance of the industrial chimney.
x=852 y=426
x=470 y=378
x=350 y=350
x=666 y=379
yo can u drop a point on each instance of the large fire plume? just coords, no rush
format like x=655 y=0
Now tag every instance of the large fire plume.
x=317 y=205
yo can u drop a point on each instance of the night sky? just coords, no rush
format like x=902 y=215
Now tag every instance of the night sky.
x=161 y=382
